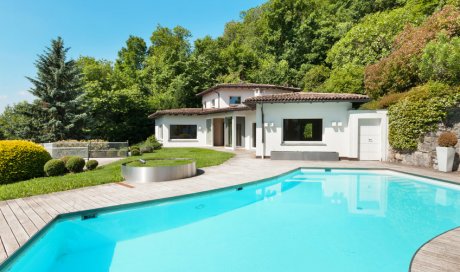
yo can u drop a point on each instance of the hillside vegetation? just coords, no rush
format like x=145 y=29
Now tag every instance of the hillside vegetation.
x=383 y=48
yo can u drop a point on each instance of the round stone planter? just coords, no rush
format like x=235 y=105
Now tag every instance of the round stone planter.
x=146 y=174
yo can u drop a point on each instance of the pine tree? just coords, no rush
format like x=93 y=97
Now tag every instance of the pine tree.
x=58 y=87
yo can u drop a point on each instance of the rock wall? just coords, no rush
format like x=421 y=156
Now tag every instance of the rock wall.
x=425 y=155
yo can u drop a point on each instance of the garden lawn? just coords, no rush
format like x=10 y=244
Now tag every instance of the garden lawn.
x=107 y=173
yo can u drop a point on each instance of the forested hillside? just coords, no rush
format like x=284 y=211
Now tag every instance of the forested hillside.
x=383 y=48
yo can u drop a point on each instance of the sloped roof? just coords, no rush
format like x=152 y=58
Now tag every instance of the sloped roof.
x=306 y=97
x=249 y=86
x=197 y=111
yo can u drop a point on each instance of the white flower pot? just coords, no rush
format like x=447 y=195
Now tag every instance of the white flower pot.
x=445 y=158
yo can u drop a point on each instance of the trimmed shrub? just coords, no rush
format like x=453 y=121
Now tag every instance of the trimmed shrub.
x=447 y=139
x=21 y=160
x=54 y=168
x=75 y=164
x=65 y=159
x=152 y=142
x=91 y=164
x=421 y=111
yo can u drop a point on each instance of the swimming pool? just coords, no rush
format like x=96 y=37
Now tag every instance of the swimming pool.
x=305 y=220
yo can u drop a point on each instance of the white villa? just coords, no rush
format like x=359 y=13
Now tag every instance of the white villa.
x=278 y=122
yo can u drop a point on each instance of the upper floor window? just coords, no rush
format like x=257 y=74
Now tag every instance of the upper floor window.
x=213 y=103
x=234 y=100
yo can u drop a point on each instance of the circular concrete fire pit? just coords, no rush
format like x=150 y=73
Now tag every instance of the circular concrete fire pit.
x=154 y=170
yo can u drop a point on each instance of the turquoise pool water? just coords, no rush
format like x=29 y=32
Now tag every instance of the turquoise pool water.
x=306 y=220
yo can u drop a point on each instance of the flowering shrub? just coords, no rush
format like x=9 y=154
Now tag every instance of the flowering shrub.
x=21 y=160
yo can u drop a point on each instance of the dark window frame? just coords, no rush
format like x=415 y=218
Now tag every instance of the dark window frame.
x=298 y=134
x=174 y=136
x=230 y=100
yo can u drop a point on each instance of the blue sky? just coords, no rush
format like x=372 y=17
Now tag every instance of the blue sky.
x=97 y=28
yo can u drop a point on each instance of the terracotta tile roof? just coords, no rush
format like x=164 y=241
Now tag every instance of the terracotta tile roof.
x=249 y=86
x=306 y=97
x=197 y=111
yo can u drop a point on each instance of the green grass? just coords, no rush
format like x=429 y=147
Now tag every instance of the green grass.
x=158 y=162
x=107 y=173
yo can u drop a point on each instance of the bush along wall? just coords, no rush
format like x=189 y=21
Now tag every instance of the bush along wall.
x=416 y=122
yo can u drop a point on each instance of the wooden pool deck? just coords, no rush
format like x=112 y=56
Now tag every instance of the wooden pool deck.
x=22 y=218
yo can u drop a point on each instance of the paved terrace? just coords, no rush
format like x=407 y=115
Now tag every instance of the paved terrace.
x=22 y=218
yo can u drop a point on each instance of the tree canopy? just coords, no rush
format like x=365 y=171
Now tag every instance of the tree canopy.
x=374 y=47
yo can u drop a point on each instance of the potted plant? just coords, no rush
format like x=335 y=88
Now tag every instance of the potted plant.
x=446 y=151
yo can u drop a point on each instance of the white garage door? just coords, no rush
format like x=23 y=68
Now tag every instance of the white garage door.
x=369 y=140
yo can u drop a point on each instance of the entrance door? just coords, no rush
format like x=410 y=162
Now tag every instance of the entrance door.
x=369 y=140
x=218 y=129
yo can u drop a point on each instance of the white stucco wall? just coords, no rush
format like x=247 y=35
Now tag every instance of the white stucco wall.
x=343 y=139
x=354 y=117
x=164 y=123
x=334 y=139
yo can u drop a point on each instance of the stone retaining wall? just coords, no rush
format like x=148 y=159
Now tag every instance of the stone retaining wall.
x=425 y=155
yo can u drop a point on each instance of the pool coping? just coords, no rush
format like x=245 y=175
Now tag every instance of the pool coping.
x=91 y=213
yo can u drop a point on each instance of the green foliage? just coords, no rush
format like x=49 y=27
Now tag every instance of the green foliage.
x=347 y=79
x=91 y=164
x=75 y=164
x=440 y=60
x=152 y=142
x=315 y=77
x=21 y=160
x=371 y=39
x=23 y=121
x=105 y=174
x=54 y=168
x=58 y=89
x=420 y=112
x=398 y=72
x=308 y=131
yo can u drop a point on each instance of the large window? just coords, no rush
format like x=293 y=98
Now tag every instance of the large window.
x=302 y=130
x=234 y=100
x=178 y=132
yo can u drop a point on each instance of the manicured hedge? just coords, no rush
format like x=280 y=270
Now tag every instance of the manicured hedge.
x=419 y=112
x=75 y=164
x=54 y=168
x=21 y=160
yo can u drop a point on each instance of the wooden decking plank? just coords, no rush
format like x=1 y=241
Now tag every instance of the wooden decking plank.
x=18 y=230
x=31 y=213
x=41 y=210
x=43 y=205
x=9 y=242
x=23 y=219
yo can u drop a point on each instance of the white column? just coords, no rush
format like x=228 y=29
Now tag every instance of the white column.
x=233 y=131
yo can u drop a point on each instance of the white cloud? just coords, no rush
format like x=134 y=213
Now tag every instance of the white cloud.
x=3 y=97
x=24 y=93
